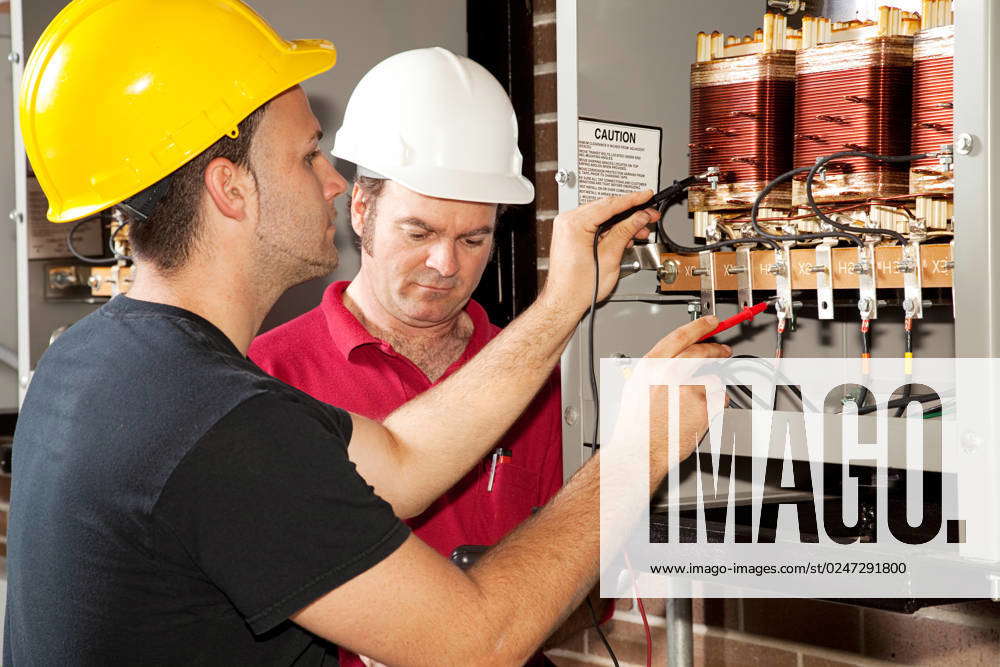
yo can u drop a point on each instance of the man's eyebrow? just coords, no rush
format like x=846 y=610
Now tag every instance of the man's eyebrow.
x=417 y=222
x=485 y=229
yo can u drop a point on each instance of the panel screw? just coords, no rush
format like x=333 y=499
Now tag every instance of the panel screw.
x=971 y=442
x=964 y=143
x=570 y=415
x=565 y=178
x=14 y=57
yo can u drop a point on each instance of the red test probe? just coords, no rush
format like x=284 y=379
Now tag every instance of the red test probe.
x=744 y=315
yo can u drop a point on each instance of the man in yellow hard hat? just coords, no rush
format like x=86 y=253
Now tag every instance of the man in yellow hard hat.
x=172 y=503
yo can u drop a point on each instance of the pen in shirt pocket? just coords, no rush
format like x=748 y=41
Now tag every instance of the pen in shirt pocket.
x=499 y=456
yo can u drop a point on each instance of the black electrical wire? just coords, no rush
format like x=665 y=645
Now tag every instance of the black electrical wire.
x=791 y=387
x=895 y=403
x=871 y=156
x=792 y=237
x=83 y=258
x=665 y=199
x=590 y=347
x=691 y=250
x=736 y=400
x=600 y=632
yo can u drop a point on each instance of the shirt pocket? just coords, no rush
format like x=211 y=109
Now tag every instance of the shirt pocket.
x=515 y=489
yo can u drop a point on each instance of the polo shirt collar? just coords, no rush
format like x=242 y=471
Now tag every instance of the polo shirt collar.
x=348 y=334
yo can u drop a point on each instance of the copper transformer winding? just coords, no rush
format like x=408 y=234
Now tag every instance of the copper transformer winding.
x=933 y=113
x=854 y=95
x=740 y=122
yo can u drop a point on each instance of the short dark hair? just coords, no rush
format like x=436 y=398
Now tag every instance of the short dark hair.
x=167 y=236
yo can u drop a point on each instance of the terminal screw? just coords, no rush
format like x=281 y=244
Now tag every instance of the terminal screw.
x=712 y=176
x=860 y=268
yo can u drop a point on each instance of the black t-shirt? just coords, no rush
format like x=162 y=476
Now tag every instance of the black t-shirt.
x=174 y=504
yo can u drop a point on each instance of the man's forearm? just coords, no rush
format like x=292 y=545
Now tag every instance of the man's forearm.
x=474 y=407
x=544 y=570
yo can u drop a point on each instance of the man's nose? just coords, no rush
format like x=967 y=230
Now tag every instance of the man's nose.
x=334 y=184
x=442 y=258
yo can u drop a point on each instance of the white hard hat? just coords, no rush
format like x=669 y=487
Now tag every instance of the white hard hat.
x=438 y=124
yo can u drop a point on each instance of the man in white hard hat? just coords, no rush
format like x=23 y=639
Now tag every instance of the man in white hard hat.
x=174 y=504
x=434 y=138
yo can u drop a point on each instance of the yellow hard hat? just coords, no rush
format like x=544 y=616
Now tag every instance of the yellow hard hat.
x=118 y=94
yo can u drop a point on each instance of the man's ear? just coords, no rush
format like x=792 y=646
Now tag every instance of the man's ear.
x=359 y=207
x=228 y=187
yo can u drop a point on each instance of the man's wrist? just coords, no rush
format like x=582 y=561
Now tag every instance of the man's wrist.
x=560 y=306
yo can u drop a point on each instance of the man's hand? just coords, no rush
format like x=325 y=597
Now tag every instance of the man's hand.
x=693 y=419
x=571 y=259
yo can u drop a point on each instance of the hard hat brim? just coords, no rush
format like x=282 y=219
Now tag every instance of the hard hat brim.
x=459 y=185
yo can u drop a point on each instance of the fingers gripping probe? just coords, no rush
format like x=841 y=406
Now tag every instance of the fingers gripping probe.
x=745 y=315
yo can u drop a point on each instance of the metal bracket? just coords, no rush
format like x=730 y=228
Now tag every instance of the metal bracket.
x=783 y=279
x=865 y=268
x=913 y=300
x=706 y=271
x=823 y=268
x=744 y=276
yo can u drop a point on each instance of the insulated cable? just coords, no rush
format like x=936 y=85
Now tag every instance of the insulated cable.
x=600 y=632
x=755 y=223
x=83 y=258
x=823 y=161
x=669 y=196
x=907 y=364
x=866 y=356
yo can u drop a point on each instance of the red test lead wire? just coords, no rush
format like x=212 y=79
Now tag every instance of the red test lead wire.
x=744 y=315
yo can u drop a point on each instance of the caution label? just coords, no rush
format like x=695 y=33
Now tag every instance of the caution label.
x=616 y=158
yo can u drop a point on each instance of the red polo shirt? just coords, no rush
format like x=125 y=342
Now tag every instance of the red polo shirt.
x=329 y=354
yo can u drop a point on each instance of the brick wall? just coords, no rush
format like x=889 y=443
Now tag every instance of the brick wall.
x=798 y=633
x=546 y=190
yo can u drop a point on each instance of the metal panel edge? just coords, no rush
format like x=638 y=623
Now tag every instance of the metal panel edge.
x=573 y=357
x=19 y=214
x=976 y=254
